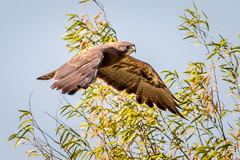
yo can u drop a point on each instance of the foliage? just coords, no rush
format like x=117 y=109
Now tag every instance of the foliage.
x=116 y=127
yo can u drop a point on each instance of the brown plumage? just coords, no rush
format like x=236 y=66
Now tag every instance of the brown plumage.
x=112 y=63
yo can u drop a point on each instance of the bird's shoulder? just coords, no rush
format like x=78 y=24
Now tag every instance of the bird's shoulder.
x=87 y=56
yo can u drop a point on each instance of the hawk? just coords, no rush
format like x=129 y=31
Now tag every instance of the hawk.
x=112 y=63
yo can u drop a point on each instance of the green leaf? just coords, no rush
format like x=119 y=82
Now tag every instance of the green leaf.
x=12 y=137
x=72 y=15
x=238 y=47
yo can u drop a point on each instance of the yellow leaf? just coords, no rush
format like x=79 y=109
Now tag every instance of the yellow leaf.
x=97 y=16
x=208 y=109
x=197 y=43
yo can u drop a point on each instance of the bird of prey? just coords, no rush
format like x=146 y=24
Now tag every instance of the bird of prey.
x=112 y=63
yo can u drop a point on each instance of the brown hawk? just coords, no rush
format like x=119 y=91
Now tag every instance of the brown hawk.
x=112 y=63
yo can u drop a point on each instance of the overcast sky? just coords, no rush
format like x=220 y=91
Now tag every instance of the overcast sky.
x=31 y=46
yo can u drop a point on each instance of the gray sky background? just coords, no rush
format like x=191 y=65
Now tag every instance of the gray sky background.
x=31 y=46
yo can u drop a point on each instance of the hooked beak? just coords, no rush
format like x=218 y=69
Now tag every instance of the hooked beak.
x=134 y=49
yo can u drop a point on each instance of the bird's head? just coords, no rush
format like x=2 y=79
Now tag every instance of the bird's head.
x=124 y=47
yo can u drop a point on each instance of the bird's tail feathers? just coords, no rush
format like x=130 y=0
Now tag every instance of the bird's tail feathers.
x=47 y=76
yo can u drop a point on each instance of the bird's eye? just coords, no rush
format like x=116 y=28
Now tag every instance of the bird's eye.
x=128 y=47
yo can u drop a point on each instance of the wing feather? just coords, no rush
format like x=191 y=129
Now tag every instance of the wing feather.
x=79 y=72
x=135 y=76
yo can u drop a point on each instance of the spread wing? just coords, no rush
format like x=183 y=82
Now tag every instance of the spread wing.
x=79 y=72
x=135 y=76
